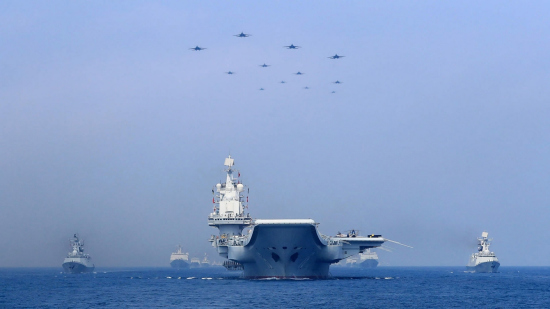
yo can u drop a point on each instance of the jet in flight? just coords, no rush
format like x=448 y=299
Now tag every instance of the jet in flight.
x=229 y=72
x=299 y=73
x=306 y=87
x=197 y=48
x=242 y=35
x=265 y=65
x=336 y=56
x=261 y=88
x=337 y=82
x=282 y=82
x=333 y=92
x=292 y=46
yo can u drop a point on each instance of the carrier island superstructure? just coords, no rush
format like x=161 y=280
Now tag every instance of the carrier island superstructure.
x=281 y=248
x=484 y=261
x=77 y=261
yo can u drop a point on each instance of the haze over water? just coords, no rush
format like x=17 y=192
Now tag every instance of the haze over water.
x=113 y=128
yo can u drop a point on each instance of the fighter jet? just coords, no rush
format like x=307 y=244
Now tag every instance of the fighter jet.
x=229 y=72
x=335 y=57
x=282 y=82
x=299 y=73
x=291 y=46
x=242 y=35
x=261 y=88
x=306 y=87
x=333 y=92
x=197 y=48
x=265 y=65
x=337 y=82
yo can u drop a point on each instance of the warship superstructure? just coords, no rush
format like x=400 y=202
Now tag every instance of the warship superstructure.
x=281 y=248
x=205 y=262
x=179 y=259
x=77 y=261
x=483 y=261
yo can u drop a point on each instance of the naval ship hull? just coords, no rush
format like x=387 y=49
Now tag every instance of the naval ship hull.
x=372 y=263
x=486 y=267
x=77 y=268
x=286 y=251
x=195 y=265
x=179 y=264
x=283 y=251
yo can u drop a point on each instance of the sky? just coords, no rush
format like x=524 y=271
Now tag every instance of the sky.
x=111 y=127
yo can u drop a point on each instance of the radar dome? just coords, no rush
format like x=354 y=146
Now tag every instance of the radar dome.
x=240 y=187
x=218 y=186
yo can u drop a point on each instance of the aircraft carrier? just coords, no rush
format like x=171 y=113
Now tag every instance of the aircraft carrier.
x=484 y=261
x=77 y=261
x=279 y=248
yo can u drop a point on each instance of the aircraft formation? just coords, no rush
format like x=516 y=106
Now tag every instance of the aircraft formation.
x=264 y=65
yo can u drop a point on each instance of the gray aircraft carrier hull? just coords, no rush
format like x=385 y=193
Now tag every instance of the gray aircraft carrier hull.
x=76 y=268
x=285 y=251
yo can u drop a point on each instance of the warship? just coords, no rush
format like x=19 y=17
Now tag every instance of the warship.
x=179 y=259
x=77 y=261
x=367 y=259
x=483 y=261
x=195 y=263
x=275 y=248
x=205 y=262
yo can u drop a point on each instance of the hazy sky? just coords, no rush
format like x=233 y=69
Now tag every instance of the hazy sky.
x=111 y=127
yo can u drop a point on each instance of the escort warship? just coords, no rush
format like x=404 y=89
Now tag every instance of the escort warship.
x=367 y=259
x=179 y=259
x=195 y=263
x=205 y=262
x=280 y=248
x=484 y=261
x=77 y=261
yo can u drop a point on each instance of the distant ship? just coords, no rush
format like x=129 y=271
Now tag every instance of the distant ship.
x=179 y=259
x=77 y=261
x=484 y=261
x=281 y=248
x=205 y=262
x=195 y=263
x=367 y=259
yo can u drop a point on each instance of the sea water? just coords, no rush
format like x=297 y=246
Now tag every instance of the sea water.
x=215 y=287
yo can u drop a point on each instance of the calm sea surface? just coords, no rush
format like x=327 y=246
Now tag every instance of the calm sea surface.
x=383 y=287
